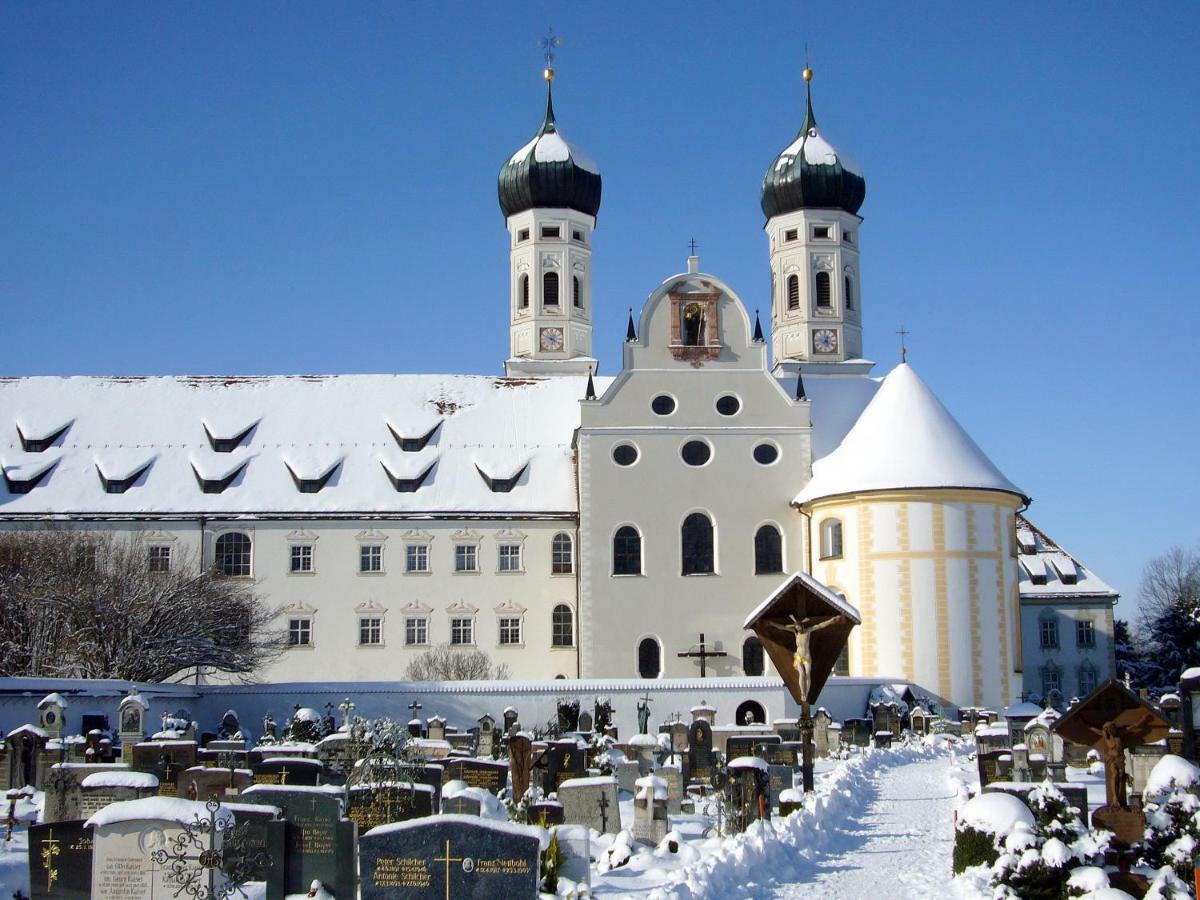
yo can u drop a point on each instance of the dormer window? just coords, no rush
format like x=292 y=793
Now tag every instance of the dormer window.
x=312 y=485
x=407 y=485
x=501 y=485
x=120 y=485
x=551 y=231
x=217 y=485
x=21 y=480
x=227 y=443
x=414 y=444
x=822 y=232
x=41 y=444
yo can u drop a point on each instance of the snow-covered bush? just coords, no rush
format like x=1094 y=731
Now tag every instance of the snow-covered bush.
x=1172 y=835
x=1167 y=885
x=522 y=810
x=982 y=823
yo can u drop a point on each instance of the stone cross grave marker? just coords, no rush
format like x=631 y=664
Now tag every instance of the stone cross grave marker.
x=650 y=810
x=591 y=802
x=293 y=771
x=449 y=857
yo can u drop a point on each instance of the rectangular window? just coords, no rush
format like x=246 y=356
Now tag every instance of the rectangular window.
x=822 y=232
x=416 y=558
x=791 y=234
x=416 y=631
x=510 y=630
x=1087 y=681
x=160 y=558
x=302 y=558
x=466 y=558
x=1048 y=629
x=1051 y=680
x=300 y=632
x=551 y=231
x=370 y=558
x=510 y=557
x=1085 y=634
x=370 y=631
x=562 y=554
x=462 y=631
x=577 y=236
x=523 y=234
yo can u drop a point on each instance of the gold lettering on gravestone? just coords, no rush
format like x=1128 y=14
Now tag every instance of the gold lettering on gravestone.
x=403 y=872
x=166 y=789
x=480 y=778
x=502 y=866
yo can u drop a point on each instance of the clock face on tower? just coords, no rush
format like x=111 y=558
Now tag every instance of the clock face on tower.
x=552 y=339
x=825 y=341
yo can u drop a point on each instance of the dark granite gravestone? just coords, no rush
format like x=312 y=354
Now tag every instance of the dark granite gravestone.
x=450 y=856
x=857 y=732
x=561 y=761
x=154 y=757
x=779 y=780
x=60 y=861
x=585 y=722
x=739 y=745
x=992 y=766
x=546 y=813
x=782 y=754
x=288 y=771
x=481 y=773
x=256 y=841
x=747 y=796
x=199 y=783
x=461 y=805
x=318 y=842
x=433 y=775
x=701 y=762
x=789 y=735
x=374 y=805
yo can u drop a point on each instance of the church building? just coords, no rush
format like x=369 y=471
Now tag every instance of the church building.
x=578 y=526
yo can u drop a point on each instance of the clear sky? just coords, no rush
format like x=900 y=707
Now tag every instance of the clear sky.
x=310 y=187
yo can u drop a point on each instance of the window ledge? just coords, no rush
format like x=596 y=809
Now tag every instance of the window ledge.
x=378 y=646
x=562 y=647
x=520 y=646
x=302 y=646
x=426 y=644
x=466 y=572
x=825 y=558
x=418 y=572
x=371 y=574
x=472 y=644
x=302 y=574
x=627 y=575
x=698 y=574
x=562 y=574
x=510 y=571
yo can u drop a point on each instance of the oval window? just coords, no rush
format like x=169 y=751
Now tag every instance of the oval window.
x=765 y=454
x=696 y=453
x=663 y=404
x=625 y=454
x=728 y=405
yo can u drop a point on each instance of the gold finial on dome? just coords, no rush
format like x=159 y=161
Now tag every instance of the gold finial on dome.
x=807 y=74
x=548 y=73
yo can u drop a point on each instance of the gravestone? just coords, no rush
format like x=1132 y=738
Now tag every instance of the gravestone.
x=64 y=789
x=155 y=757
x=60 y=861
x=835 y=739
x=200 y=783
x=288 y=771
x=487 y=736
x=702 y=712
x=992 y=766
x=585 y=722
x=432 y=774
x=510 y=718
x=779 y=779
x=436 y=728
x=679 y=738
x=784 y=754
x=481 y=773
x=520 y=761
x=464 y=802
x=591 y=802
x=1020 y=764
x=373 y=805
x=645 y=749
x=701 y=761
x=747 y=793
x=821 y=721
x=743 y=745
x=258 y=840
x=449 y=856
x=628 y=772
x=562 y=760
x=99 y=789
x=575 y=843
x=546 y=813
x=650 y=810
x=318 y=842
x=673 y=776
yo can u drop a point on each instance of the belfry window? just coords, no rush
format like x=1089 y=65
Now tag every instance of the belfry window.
x=849 y=285
x=524 y=292
x=693 y=325
x=696 y=544
x=793 y=291
x=550 y=289
x=824 y=293
x=577 y=292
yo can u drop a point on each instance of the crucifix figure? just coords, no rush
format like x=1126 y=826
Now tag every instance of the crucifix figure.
x=346 y=707
x=802 y=658
x=1112 y=751
x=702 y=653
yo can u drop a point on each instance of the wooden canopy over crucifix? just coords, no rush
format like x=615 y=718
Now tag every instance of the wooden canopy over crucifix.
x=803 y=627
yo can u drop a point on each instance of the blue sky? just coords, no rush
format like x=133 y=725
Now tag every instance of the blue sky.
x=269 y=187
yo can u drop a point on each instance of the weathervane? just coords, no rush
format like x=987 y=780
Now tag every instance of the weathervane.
x=903 y=348
x=548 y=43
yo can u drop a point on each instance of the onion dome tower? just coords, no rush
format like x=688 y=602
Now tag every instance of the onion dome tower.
x=549 y=193
x=811 y=195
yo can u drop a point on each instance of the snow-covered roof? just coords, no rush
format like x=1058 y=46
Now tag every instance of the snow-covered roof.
x=1023 y=710
x=120 y=779
x=1047 y=570
x=905 y=438
x=292 y=428
x=53 y=699
x=553 y=147
x=835 y=600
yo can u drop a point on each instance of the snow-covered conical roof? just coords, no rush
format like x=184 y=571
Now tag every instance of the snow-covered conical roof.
x=905 y=438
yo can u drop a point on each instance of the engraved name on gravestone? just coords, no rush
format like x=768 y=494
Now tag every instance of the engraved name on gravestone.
x=318 y=842
x=480 y=773
x=449 y=856
x=291 y=771
x=60 y=861
x=374 y=805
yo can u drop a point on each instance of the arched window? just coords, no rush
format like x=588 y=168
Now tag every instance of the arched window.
x=752 y=656
x=793 y=288
x=577 y=292
x=849 y=284
x=562 y=556
x=831 y=539
x=768 y=550
x=696 y=539
x=627 y=551
x=550 y=289
x=649 y=658
x=232 y=557
x=824 y=299
x=562 y=627
x=750 y=713
x=692 y=328
x=524 y=292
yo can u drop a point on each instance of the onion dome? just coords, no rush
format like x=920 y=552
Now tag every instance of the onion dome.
x=549 y=172
x=811 y=174
x=905 y=439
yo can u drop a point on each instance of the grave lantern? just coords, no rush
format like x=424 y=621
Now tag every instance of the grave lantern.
x=50 y=714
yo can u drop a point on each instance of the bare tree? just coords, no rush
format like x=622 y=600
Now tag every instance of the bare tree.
x=1170 y=581
x=446 y=662
x=82 y=605
x=1169 y=604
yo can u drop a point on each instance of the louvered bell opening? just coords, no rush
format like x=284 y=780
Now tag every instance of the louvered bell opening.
x=550 y=289
x=793 y=292
x=823 y=291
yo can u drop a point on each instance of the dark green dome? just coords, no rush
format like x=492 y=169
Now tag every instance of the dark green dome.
x=549 y=173
x=811 y=174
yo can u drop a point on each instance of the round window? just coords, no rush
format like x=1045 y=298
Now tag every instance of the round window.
x=696 y=453
x=765 y=454
x=728 y=405
x=625 y=454
x=663 y=404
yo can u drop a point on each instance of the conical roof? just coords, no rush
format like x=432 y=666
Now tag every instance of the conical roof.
x=810 y=173
x=549 y=172
x=904 y=439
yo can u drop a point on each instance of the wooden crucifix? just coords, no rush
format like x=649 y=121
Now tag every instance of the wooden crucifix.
x=700 y=651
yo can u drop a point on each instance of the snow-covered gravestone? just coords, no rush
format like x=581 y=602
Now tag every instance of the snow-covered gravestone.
x=51 y=714
x=99 y=789
x=132 y=849
x=645 y=747
x=131 y=716
x=575 y=843
x=591 y=802
x=650 y=810
x=747 y=792
x=628 y=772
x=821 y=721
x=673 y=776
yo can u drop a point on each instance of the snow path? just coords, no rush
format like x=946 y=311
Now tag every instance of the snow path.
x=902 y=842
